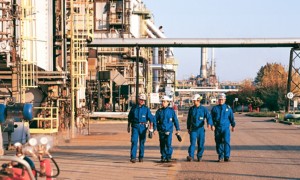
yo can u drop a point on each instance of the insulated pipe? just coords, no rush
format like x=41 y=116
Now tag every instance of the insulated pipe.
x=197 y=42
x=161 y=66
x=155 y=62
x=150 y=34
x=155 y=71
x=154 y=29
x=213 y=73
x=159 y=34
x=206 y=90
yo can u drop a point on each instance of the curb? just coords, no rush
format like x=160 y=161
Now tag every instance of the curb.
x=283 y=122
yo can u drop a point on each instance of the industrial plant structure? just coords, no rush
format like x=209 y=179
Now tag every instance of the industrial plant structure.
x=49 y=59
x=45 y=59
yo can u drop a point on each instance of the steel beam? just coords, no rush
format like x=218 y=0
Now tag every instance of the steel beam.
x=293 y=72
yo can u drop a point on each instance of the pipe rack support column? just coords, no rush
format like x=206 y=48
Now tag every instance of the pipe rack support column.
x=287 y=107
x=137 y=74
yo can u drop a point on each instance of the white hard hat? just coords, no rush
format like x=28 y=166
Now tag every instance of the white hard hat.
x=196 y=97
x=221 y=96
x=142 y=97
x=166 y=98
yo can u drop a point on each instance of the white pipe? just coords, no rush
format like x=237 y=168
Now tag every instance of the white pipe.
x=159 y=34
x=196 y=42
x=213 y=62
x=155 y=72
x=150 y=34
x=206 y=90
x=151 y=28
x=154 y=29
x=155 y=61
x=162 y=66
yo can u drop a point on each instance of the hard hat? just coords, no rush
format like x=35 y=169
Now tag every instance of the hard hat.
x=142 y=97
x=166 y=98
x=196 y=97
x=221 y=96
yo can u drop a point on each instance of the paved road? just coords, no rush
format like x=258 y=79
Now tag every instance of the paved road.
x=261 y=149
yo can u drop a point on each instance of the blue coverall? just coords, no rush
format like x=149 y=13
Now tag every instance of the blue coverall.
x=165 y=120
x=138 y=117
x=222 y=116
x=195 y=125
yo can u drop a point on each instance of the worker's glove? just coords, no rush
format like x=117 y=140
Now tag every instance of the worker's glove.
x=178 y=136
x=150 y=134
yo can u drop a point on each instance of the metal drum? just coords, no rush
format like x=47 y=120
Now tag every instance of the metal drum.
x=27 y=111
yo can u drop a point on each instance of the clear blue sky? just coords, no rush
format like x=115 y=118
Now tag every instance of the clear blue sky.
x=228 y=19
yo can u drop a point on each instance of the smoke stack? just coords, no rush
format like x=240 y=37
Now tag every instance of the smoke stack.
x=203 y=68
x=213 y=71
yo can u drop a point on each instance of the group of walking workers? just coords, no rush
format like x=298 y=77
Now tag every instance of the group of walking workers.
x=218 y=120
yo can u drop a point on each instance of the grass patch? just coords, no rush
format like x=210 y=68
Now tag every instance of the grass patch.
x=280 y=116
x=295 y=121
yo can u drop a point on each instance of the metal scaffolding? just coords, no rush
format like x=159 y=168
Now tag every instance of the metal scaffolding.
x=28 y=47
x=81 y=28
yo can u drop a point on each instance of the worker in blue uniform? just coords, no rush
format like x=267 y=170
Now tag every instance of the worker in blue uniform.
x=166 y=118
x=222 y=116
x=139 y=118
x=195 y=126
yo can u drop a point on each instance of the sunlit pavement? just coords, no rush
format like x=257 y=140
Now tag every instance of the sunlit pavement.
x=261 y=149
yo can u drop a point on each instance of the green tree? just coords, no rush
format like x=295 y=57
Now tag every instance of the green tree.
x=271 y=82
x=246 y=95
x=247 y=89
x=255 y=101
x=230 y=97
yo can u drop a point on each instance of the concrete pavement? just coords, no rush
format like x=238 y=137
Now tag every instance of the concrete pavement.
x=261 y=149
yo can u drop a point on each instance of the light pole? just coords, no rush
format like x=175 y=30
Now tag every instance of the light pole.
x=235 y=100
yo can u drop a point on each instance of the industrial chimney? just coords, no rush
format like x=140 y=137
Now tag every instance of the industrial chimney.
x=203 y=68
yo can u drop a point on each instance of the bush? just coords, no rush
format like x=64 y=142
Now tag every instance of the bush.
x=262 y=114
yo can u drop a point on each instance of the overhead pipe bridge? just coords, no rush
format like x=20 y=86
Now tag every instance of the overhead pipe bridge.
x=293 y=43
x=198 y=42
